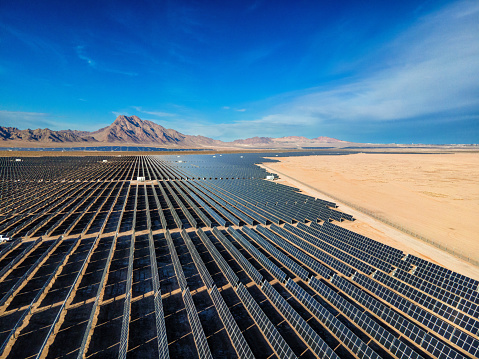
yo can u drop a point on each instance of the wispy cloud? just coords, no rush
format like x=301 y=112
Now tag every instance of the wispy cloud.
x=429 y=75
x=430 y=71
x=433 y=69
x=32 y=120
x=121 y=113
x=82 y=55
x=154 y=113
x=80 y=50
x=234 y=109
x=35 y=43
x=276 y=125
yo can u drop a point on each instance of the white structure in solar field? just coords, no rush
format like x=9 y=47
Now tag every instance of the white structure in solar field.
x=105 y=161
x=18 y=160
x=4 y=239
x=140 y=179
x=270 y=177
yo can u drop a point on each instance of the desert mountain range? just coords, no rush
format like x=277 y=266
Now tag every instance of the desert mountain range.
x=131 y=130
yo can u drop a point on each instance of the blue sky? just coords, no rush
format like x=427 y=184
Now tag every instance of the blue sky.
x=381 y=72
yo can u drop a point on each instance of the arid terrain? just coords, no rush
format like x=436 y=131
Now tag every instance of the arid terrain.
x=433 y=195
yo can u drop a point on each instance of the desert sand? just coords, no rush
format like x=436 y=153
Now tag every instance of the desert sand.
x=435 y=196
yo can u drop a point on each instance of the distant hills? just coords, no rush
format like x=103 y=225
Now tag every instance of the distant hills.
x=44 y=135
x=297 y=140
x=131 y=130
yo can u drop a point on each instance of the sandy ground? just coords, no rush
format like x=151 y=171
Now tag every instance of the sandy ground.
x=433 y=195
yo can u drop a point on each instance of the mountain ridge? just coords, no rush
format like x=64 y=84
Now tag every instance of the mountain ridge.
x=130 y=130
x=44 y=135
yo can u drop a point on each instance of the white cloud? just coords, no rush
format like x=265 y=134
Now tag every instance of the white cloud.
x=433 y=69
x=81 y=53
x=80 y=50
x=154 y=113
x=234 y=109
x=123 y=113
x=23 y=120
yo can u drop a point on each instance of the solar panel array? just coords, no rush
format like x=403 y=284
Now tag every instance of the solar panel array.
x=241 y=346
x=206 y=258
x=311 y=338
x=127 y=304
x=277 y=342
x=196 y=328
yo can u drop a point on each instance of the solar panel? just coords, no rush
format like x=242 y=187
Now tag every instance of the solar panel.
x=244 y=263
x=214 y=204
x=204 y=274
x=309 y=336
x=98 y=297
x=68 y=298
x=353 y=250
x=19 y=257
x=127 y=304
x=431 y=321
x=346 y=336
x=330 y=249
x=443 y=310
x=180 y=276
x=187 y=214
x=196 y=328
x=239 y=343
x=313 y=251
x=373 y=329
x=280 y=347
x=401 y=324
x=280 y=256
x=159 y=314
x=198 y=212
x=172 y=209
x=209 y=210
x=260 y=257
x=296 y=253
x=224 y=266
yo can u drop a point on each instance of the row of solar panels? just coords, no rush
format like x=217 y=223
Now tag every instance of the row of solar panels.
x=254 y=275
x=448 y=328
x=350 y=340
x=50 y=204
x=25 y=193
x=50 y=207
x=40 y=169
x=447 y=290
x=269 y=265
x=51 y=213
x=340 y=265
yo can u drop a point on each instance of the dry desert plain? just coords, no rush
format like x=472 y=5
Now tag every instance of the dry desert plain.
x=434 y=195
